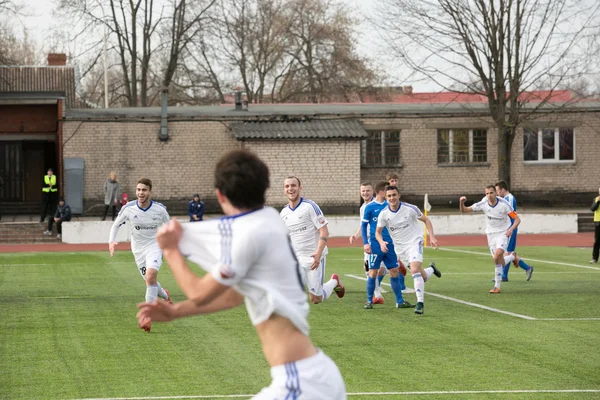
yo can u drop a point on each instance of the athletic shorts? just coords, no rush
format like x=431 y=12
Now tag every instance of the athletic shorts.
x=313 y=378
x=410 y=253
x=389 y=259
x=497 y=241
x=313 y=279
x=150 y=257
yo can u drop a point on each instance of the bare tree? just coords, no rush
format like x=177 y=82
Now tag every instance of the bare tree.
x=505 y=47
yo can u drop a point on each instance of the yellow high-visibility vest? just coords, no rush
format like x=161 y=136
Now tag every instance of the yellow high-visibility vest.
x=597 y=212
x=47 y=181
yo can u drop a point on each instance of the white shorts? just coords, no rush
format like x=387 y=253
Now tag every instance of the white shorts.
x=497 y=241
x=313 y=378
x=148 y=258
x=313 y=279
x=410 y=253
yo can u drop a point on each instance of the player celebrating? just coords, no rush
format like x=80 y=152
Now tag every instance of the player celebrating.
x=366 y=192
x=371 y=247
x=498 y=228
x=502 y=191
x=145 y=217
x=248 y=258
x=309 y=235
x=401 y=220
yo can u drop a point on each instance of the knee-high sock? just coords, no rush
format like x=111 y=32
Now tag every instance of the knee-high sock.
x=507 y=260
x=524 y=265
x=328 y=288
x=395 y=282
x=498 y=276
x=428 y=273
x=161 y=292
x=370 y=289
x=401 y=281
x=151 y=293
x=419 y=286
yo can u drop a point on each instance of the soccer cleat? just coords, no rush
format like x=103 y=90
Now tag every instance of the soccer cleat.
x=405 y=304
x=408 y=291
x=401 y=268
x=436 y=271
x=378 y=300
x=368 y=306
x=146 y=325
x=495 y=290
x=529 y=272
x=594 y=262
x=420 y=308
x=168 y=300
x=516 y=259
x=339 y=290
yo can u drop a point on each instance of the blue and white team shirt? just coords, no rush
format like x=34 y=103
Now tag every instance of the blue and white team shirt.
x=304 y=222
x=513 y=202
x=251 y=253
x=403 y=224
x=144 y=222
x=369 y=221
x=498 y=216
x=362 y=212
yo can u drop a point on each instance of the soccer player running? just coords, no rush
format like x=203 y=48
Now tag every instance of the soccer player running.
x=249 y=259
x=309 y=234
x=498 y=228
x=376 y=255
x=402 y=221
x=366 y=192
x=502 y=191
x=145 y=217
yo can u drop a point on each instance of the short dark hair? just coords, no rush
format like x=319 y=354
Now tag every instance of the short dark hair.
x=502 y=185
x=491 y=187
x=366 y=184
x=380 y=186
x=243 y=178
x=145 y=181
x=293 y=177
x=391 y=187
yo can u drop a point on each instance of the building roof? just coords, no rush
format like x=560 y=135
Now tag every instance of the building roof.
x=299 y=129
x=457 y=97
x=40 y=79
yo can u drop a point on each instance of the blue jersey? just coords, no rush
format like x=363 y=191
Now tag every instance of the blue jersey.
x=513 y=202
x=370 y=217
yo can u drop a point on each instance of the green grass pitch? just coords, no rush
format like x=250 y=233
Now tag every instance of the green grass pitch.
x=68 y=331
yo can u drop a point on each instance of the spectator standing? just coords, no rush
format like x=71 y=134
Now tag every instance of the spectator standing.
x=49 y=195
x=596 y=210
x=111 y=195
x=195 y=209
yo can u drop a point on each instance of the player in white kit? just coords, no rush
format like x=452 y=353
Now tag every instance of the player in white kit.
x=145 y=217
x=309 y=234
x=402 y=221
x=366 y=192
x=498 y=228
x=248 y=257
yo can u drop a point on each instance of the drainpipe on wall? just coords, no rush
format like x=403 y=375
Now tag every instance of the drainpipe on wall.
x=163 y=135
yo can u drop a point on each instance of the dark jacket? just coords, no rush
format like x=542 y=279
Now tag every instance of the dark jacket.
x=63 y=212
x=195 y=208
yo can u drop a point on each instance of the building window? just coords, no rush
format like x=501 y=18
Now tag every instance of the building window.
x=462 y=146
x=382 y=147
x=548 y=145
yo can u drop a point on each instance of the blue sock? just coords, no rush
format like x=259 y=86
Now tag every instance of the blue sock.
x=401 y=280
x=380 y=278
x=395 y=282
x=370 y=289
x=524 y=265
x=505 y=270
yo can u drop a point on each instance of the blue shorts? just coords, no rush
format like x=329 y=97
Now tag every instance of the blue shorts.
x=512 y=241
x=389 y=259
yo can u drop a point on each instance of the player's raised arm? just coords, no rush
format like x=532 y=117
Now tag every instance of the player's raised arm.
x=462 y=205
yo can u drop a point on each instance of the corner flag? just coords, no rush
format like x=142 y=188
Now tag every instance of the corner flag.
x=426 y=208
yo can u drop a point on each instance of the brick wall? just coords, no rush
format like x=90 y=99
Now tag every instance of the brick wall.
x=28 y=118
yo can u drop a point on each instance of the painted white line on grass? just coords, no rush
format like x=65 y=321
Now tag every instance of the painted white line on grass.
x=528 y=259
x=468 y=303
x=374 y=394
x=568 y=319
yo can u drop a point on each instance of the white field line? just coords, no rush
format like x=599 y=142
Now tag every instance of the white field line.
x=468 y=303
x=528 y=259
x=369 y=394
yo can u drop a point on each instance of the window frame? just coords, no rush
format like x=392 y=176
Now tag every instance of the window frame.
x=382 y=138
x=540 y=145
x=471 y=155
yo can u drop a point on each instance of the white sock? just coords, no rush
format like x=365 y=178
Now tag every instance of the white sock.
x=328 y=288
x=498 y=277
x=151 y=293
x=419 y=286
x=377 y=288
x=161 y=292
x=509 y=258
x=428 y=272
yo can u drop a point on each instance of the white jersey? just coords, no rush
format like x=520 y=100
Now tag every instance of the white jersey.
x=144 y=223
x=403 y=224
x=498 y=216
x=251 y=253
x=304 y=222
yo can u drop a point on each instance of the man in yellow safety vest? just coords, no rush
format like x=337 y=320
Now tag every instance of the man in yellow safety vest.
x=49 y=195
x=596 y=210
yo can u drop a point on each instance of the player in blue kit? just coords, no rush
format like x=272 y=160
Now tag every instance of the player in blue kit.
x=502 y=191
x=376 y=256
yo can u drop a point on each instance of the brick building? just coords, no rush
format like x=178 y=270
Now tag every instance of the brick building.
x=440 y=148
